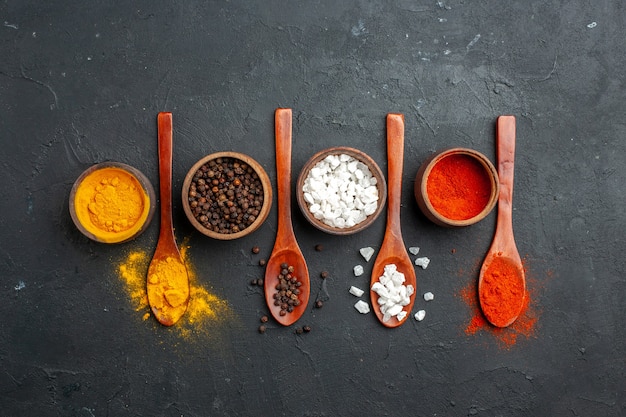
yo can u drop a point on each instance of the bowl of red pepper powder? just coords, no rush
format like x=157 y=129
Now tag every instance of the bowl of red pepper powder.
x=456 y=187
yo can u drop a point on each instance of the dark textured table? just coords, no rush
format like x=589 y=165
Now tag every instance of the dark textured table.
x=82 y=82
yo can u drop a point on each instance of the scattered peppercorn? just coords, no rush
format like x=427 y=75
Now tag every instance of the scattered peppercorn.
x=319 y=247
x=225 y=195
x=319 y=304
x=262 y=262
x=256 y=249
x=306 y=329
x=299 y=330
x=259 y=282
x=324 y=274
x=262 y=329
x=254 y=282
x=264 y=319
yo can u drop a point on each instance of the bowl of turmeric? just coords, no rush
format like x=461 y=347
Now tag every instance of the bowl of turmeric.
x=112 y=202
x=456 y=187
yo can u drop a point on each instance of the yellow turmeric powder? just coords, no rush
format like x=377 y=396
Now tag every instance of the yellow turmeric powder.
x=111 y=204
x=207 y=314
x=168 y=289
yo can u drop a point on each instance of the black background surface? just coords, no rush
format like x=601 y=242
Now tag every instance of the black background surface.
x=82 y=82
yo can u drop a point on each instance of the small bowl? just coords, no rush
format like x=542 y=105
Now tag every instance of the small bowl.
x=85 y=219
x=262 y=212
x=358 y=155
x=483 y=170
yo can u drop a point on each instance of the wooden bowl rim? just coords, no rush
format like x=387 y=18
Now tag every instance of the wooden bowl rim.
x=267 y=194
x=362 y=157
x=137 y=174
x=421 y=193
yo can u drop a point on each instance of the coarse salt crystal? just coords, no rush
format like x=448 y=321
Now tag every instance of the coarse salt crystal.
x=338 y=182
x=414 y=250
x=401 y=315
x=422 y=262
x=362 y=307
x=393 y=294
x=419 y=316
x=429 y=296
x=358 y=270
x=367 y=253
x=357 y=292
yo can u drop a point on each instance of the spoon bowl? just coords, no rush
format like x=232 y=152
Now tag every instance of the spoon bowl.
x=393 y=250
x=272 y=272
x=168 y=298
x=502 y=281
x=286 y=251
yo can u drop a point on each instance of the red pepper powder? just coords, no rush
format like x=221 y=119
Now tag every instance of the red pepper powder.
x=458 y=187
x=502 y=291
x=507 y=337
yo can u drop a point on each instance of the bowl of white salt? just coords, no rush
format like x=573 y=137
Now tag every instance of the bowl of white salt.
x=341 y=190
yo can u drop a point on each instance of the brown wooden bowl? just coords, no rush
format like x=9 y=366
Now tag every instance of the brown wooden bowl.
x=80 y=215
x=267 y=195
x=421 y=184
x=358 y=155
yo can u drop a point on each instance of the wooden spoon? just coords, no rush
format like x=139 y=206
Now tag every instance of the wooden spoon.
x=393 y=250
x=168 y=281
x=510 y=297
x=286 y=250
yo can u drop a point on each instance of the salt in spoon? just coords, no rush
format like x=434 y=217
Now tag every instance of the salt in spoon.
x=393 y=250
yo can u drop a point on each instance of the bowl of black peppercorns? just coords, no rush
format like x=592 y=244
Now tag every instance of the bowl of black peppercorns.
x=227 y=195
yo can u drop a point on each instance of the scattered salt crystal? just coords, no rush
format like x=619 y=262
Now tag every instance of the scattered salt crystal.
x=362 y=307
x=419 y=316
x=357 y=292
x=367 y=253
x=358 y=270
x=422 y=262
x=414 y=250
x=429 y=296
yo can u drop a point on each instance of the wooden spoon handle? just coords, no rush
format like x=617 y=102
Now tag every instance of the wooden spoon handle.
x=165 y=170
x=505 y=137
x=395 y=161
x=283 y=131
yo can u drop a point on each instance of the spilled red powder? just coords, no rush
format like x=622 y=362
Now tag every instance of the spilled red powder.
x=524 y=326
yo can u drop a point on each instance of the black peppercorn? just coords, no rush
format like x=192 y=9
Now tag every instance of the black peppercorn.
x=319 y=304
x=264 y=319
x=212 y=195
x=324 y=274
x=306 y=329
x=319 y=247
x=286 y=295
x=256 y=249
x=262 y=329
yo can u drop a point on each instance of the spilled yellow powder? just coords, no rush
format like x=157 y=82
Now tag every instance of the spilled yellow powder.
x=205 y=313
